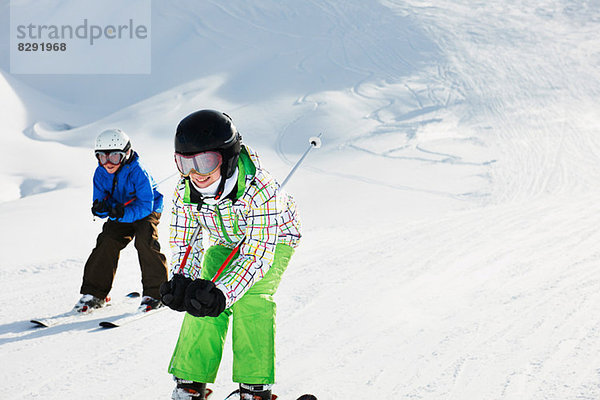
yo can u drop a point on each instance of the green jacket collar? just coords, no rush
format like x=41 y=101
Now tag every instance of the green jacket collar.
x=247 y=170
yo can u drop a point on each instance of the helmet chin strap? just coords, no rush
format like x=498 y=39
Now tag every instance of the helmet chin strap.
x=220 y=188
x=223 y=180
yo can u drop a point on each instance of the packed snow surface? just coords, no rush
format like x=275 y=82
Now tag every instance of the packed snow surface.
x=451 y=218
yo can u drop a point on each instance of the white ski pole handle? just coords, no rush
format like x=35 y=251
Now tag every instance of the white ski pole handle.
x=315 y=142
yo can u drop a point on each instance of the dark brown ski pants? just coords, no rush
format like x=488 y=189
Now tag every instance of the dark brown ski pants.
x=101 y=266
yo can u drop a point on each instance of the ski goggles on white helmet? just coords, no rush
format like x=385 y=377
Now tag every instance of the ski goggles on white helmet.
x=204 y=163
x=113 y=157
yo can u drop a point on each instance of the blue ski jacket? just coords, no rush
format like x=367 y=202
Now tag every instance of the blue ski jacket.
x=131 y=181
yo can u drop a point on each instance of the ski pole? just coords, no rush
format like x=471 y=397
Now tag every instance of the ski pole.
x=229 y=257
x=128 y=202
x=124 y=205
x=168 y=177
x=189 y=248
x=315 y=142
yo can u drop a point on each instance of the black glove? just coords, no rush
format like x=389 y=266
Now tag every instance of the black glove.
x=100 y=208
x=203 y=299
x=117 y=211
x=172 y=293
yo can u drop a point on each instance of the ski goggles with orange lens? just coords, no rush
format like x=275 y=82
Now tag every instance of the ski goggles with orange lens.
x=113 y=157
x=201 y=163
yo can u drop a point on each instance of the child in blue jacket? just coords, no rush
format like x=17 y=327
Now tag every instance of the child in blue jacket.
x=125 y=193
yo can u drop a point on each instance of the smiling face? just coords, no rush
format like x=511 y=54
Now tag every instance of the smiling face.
x=204 y=181
x=111 y=168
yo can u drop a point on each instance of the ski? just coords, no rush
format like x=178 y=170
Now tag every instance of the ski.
x=72 y=315
x=236 y=396
x=129 y=317
x=59 y=319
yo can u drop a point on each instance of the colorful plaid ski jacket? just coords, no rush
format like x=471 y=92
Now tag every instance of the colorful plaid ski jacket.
x=261 y=211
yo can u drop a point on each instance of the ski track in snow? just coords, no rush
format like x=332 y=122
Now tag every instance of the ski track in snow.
x=456 y=332
x=495 y=298
x=525 y=77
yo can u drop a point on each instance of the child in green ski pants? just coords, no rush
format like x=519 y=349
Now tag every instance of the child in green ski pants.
x=200 y=346
x=225 y=191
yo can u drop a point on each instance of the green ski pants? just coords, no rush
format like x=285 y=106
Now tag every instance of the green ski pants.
x=199 y=348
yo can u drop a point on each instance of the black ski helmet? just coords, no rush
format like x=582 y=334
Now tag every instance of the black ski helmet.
x=210 y=130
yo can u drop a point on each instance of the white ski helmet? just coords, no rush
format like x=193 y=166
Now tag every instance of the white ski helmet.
x=112 y=139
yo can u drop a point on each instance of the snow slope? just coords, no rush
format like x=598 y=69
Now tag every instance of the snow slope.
x=450 y=218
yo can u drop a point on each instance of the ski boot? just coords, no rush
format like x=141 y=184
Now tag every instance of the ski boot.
x=149 y=303
x=252 y=392
x=89 y=302
x=190 y=390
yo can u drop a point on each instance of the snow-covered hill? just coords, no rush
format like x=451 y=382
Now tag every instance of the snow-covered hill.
x=450 y=219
